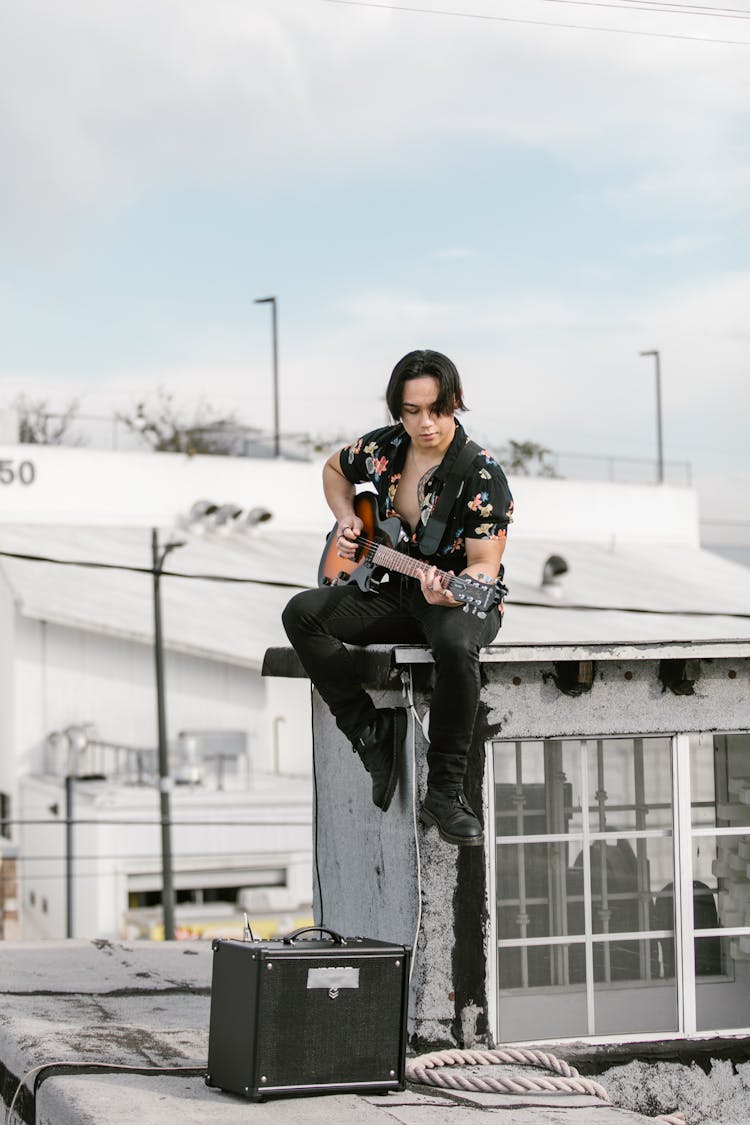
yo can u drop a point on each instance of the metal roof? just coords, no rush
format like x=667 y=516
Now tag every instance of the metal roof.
x=687 y=593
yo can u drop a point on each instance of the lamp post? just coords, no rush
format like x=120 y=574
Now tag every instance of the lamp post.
x=660 y=462
x=165 y=781
x=274 y=331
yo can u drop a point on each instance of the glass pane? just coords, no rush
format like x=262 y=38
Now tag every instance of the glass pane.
x=553 y=1005
x=627 y=877
x=540 y=894
x=721 y=887
x=720 y=780
x=537 y=788
x=630 y=784
x=722 y=990
x=646 y=1003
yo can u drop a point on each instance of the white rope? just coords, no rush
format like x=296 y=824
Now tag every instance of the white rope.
x=427 y=1069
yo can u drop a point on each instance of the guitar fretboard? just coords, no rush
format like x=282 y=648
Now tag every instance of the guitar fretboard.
x=405 y=564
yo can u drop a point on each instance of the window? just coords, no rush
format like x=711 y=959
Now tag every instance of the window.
x=5 y=828
x=593 y=837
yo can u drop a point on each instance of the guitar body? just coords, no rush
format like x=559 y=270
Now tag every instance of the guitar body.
x=334 y=570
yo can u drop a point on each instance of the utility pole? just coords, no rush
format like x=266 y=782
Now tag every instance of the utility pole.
x=660 y=444
x=275 y=342
x=165 y=781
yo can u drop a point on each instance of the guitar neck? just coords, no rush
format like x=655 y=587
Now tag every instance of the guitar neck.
x=405 y=564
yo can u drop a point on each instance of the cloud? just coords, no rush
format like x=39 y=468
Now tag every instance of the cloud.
x=104 y=102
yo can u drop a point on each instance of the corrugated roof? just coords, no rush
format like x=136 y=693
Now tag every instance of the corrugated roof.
x=237 y=623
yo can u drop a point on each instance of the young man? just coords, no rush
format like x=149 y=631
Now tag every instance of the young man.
x=409 y=463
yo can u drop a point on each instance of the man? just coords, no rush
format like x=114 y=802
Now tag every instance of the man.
x=409 y=464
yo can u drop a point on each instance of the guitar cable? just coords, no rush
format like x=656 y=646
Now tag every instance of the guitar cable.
x=408 y=692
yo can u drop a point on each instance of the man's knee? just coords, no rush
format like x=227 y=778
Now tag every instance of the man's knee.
x=295 y=611
x=455 y=644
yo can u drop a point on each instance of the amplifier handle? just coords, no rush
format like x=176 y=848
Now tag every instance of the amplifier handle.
x=289 y=939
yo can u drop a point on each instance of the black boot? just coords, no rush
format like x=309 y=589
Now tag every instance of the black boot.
x=379 y=746
x=452 y=815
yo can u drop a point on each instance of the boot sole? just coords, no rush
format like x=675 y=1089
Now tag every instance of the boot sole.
x=428 y=820
x=399 y=734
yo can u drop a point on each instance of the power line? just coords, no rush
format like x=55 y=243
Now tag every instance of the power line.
x=153 y=822
x=92 y=565
x=539 y=23
x=656 y=8
x=699 y=8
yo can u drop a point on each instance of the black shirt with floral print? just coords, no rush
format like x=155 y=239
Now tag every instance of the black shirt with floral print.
x=482 y=511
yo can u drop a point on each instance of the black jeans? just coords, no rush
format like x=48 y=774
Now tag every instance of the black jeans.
x=320 y=622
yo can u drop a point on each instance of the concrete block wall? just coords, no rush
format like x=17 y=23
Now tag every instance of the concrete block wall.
x=374 y=872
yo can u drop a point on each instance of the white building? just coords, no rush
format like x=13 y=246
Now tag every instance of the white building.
x=77 y=694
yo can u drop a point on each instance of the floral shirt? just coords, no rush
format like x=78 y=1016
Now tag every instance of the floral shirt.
x=482 y=511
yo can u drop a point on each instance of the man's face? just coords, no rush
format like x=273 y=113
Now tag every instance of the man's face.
x=429 y=432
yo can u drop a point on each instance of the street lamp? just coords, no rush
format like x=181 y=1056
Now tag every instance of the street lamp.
x=660 y=463
x=274 y=331
x=165 y=782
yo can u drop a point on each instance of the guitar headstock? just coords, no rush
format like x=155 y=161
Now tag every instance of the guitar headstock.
x=478 y=597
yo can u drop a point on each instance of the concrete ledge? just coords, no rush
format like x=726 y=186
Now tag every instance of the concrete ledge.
x=146 y=1005
x=374 y=663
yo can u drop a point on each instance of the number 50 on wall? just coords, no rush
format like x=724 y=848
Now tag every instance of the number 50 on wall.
x=21 y=472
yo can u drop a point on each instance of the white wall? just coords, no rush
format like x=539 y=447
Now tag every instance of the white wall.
x=81 y=486
x=88 y=487
x=229 y=835
x=601 y=512
x=7 y=706
x=68 y=676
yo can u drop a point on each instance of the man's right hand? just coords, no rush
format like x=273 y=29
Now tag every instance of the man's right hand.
x=349 y=530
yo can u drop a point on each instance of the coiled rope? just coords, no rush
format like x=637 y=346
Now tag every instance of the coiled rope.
x=428 y=1070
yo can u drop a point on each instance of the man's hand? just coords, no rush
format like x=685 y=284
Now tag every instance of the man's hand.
x=349 y=528
x=433 y=589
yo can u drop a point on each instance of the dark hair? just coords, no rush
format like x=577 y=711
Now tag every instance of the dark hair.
x=414 y=366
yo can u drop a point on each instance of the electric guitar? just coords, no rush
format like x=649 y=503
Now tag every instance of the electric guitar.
x=376 y=549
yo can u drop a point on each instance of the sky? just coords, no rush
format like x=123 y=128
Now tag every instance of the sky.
x=541 y=189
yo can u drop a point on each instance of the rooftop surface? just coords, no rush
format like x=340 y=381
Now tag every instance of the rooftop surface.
x=611 y=592
x=146 y=1006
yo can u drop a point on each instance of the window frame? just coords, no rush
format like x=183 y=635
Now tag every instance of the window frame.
x=682 y=834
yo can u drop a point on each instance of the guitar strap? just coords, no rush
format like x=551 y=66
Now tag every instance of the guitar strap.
x=435 y=527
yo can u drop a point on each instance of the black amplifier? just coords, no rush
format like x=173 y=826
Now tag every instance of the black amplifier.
x=295 y=1015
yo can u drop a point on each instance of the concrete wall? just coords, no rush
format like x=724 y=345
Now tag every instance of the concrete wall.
x=367 y=880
